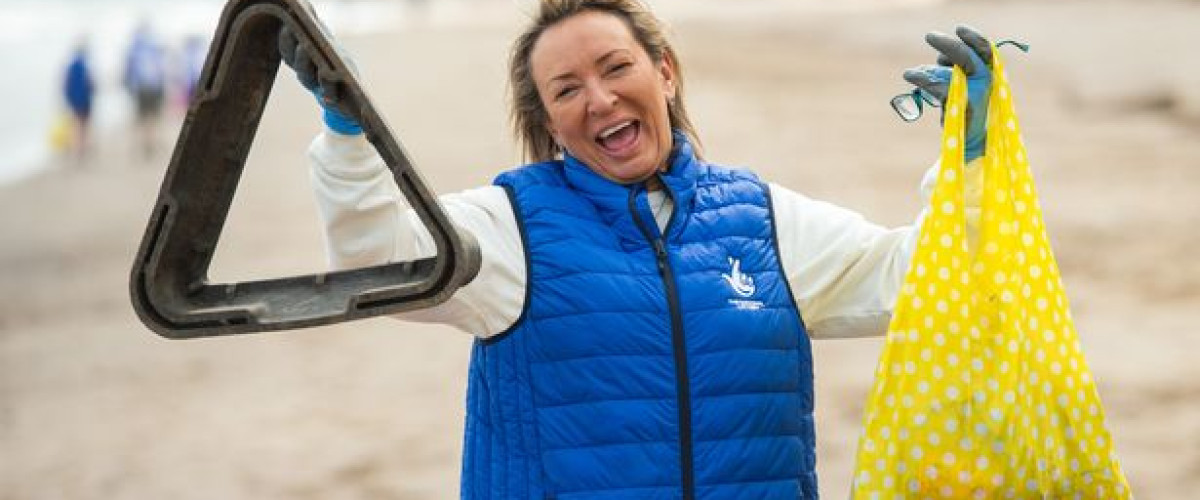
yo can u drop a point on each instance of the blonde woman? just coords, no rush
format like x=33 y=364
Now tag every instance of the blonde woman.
x=642 y=316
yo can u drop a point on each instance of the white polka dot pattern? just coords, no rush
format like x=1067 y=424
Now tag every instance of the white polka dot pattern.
x=995 y=398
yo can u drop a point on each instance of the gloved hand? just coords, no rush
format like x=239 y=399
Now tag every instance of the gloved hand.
x=336 y=109
x=973 y=53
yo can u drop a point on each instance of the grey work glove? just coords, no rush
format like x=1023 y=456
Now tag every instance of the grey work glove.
x=973 y=53
x=331 y=94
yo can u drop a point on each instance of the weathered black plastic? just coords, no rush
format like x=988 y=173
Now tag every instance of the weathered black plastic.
x=169 y=285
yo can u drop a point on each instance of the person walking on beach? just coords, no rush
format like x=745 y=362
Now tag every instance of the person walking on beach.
x=642 y=316
x=145 y=81
x=191 y=64
x=79 y=90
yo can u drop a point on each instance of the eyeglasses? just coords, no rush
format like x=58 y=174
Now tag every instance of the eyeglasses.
x=909 y=105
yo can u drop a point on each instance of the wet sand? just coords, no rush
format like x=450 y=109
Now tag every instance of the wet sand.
x=93 y=405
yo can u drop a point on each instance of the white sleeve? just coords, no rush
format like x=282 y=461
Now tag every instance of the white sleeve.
x=367 y=222
x=844 y=271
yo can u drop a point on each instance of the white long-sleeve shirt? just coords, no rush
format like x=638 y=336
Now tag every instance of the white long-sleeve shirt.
x=844 y=271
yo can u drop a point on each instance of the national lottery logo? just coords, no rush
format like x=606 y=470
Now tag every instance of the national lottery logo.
x=742 y=285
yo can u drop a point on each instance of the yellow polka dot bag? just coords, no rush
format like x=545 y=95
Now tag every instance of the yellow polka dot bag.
x=982 y=390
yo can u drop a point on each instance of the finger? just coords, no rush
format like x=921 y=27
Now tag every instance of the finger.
x=306 y=69
x=934 y=80
x=977 y=42
x=954 y=49
x=287 y=46
x=331 y=89
x=335 y=93
x=942 y=60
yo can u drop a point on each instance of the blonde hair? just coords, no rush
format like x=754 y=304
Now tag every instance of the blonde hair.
x=526 y=111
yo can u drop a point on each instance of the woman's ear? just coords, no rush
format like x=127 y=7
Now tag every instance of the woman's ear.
x=667 y=71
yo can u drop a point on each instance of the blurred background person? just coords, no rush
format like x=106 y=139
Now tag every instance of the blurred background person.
x=191 y=64
x=145 y=80
x=79 y=90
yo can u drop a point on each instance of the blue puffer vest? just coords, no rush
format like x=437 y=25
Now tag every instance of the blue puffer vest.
x=644 y=365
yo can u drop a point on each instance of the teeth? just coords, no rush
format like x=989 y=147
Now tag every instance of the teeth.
x=613 y=129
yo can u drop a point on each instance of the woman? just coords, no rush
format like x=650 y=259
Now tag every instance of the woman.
x=643 y=317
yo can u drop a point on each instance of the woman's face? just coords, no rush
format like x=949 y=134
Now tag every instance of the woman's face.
x=605 y=99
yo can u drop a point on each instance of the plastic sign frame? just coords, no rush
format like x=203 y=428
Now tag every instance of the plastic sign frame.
x=169 y=286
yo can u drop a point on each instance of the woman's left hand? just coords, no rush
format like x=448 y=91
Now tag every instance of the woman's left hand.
x=973 y=53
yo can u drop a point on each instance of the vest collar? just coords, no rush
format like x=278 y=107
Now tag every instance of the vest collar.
x=612 y=199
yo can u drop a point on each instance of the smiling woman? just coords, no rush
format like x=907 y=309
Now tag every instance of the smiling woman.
x=572 y=67
x=605 y=98
x=642 y=316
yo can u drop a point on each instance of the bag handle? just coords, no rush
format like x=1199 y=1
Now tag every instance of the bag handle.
x=1004 y=163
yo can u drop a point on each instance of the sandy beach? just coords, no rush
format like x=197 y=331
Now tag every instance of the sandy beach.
x=95 y=406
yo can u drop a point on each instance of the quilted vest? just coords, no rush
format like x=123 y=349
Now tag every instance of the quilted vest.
x=645 y=364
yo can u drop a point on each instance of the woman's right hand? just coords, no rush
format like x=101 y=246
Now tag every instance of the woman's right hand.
x=972 y=52
x=338 y=114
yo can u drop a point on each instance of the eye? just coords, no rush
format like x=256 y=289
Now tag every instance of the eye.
x=566 y=91
x=618 y=68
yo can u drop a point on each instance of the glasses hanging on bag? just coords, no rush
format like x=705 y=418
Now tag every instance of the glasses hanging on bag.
x=910 y=105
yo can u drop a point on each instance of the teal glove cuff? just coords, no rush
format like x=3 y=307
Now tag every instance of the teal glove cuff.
x=935 y=80
x=334 y=119
x=979 y=90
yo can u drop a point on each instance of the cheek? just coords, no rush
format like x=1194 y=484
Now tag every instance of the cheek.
x=561 y=121
x=662 y=118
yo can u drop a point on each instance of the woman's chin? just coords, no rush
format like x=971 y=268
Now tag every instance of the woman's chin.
x=623 y=169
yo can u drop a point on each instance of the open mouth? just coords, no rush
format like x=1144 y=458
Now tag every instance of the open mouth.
x=619 y=138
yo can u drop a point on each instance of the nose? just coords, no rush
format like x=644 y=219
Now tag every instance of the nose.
x=600 y=100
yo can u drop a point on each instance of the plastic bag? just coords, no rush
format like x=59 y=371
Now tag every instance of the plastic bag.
x=62 y=133
x=982 y=390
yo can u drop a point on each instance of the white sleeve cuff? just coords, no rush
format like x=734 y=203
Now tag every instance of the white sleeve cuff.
x=346 y=157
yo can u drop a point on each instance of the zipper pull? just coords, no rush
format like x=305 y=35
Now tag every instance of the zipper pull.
x=660 y=248
x=660 y=251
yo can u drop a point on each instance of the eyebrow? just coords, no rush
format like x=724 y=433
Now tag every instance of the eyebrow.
x=599 y=60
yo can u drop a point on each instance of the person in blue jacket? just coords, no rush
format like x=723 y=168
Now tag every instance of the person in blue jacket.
x=79 y=90
x=642 y=316
x=145 y=80
x=191 y=65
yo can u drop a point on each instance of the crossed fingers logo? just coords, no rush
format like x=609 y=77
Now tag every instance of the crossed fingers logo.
x=742 y=284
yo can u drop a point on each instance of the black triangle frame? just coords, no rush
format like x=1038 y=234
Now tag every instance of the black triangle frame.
x=169 y=285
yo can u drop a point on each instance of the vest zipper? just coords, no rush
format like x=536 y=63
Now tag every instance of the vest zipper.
x=682 y=383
